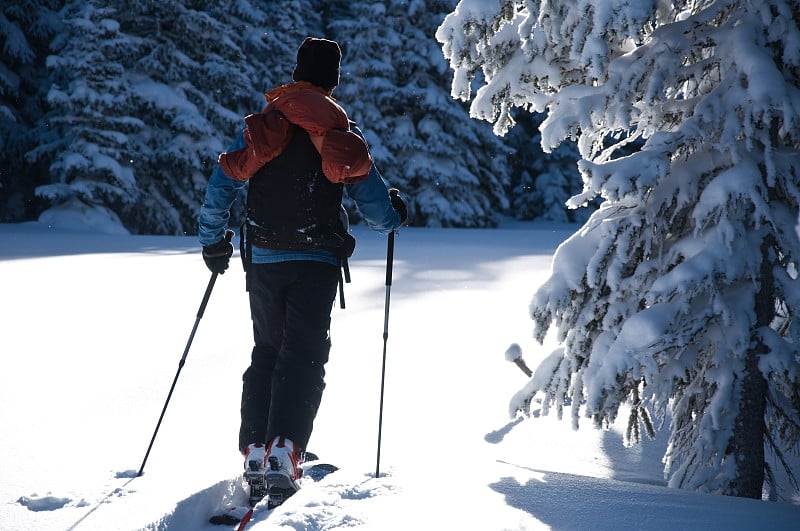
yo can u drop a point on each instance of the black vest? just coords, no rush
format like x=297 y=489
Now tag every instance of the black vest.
x=291 y=204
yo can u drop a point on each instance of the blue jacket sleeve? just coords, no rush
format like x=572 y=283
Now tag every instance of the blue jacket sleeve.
x=372 y=199
x=220 y=195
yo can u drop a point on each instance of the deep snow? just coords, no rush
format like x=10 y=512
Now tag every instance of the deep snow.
x=93 y=327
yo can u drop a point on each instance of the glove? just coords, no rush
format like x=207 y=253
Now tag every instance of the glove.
x=218 y=255
x=398 y=204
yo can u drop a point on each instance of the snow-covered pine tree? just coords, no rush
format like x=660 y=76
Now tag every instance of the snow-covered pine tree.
x=680 y=293
x=394 y=85
x=146 y=95
x=288 y=23
x=26 y=28
x=541 y=184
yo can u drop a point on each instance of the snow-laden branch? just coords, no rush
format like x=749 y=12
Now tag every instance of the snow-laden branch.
x=686 y=116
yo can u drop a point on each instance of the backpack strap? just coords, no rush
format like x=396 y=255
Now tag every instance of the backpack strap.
x=343 y=267
x=245 y=247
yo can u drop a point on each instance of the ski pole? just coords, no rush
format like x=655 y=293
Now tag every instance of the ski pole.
x=182 y=362
x=389 y=261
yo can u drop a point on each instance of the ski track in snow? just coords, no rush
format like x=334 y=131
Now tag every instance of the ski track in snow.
x=194 y=511
x=325 y=504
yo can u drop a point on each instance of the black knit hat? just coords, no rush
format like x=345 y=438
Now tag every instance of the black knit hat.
x=318 y=63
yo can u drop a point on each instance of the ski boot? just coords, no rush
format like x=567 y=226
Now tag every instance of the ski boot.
x=283 y=471
x=254 y=472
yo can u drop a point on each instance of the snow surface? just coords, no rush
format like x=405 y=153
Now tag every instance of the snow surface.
x=93 y=327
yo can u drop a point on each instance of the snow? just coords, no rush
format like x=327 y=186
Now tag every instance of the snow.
x=77 y=216
x=94 y=325
x=513 y=352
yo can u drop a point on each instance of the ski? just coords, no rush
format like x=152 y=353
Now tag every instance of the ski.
x=313 y=470
x=231 y=515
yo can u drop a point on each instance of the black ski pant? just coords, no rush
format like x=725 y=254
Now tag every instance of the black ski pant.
x=290 y=304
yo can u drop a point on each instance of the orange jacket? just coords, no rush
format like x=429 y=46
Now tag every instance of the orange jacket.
x=344 y=154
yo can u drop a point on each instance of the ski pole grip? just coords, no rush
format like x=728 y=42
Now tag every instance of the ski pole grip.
x=228 y=235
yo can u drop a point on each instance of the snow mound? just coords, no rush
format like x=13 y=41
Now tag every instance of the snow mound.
x=74 y=215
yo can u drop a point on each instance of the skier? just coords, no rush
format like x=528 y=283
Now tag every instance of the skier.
x=297 y=156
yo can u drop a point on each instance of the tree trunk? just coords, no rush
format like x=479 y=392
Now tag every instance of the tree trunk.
x=747 y=442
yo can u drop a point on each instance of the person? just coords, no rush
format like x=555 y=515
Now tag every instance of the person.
x=296 y=157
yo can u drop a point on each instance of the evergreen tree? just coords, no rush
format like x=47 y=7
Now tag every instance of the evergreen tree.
x=542 y=183
x=679 y=293
x=144 y=96
x=453 y=171
x=288 y=23
x=26 y=28
x=140 y=98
